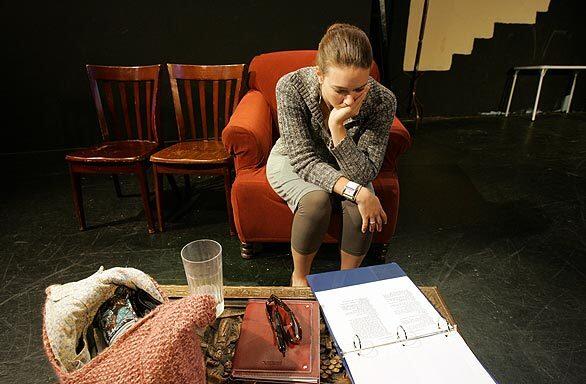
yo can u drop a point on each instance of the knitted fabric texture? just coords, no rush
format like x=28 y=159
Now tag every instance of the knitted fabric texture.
x=306 y=141
x=70 y=308
x=163 y=347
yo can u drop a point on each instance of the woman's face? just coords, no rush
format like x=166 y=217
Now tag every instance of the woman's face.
x=342 y=85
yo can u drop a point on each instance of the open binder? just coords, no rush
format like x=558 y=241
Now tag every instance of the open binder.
x=386 y=330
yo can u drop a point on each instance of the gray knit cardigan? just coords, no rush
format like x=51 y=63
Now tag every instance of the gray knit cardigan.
x=307 y=142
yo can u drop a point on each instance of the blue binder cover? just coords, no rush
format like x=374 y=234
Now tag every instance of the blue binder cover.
x=337 y=279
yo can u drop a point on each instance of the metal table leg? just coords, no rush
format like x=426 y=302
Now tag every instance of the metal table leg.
x=541 y=76
x=511 y=94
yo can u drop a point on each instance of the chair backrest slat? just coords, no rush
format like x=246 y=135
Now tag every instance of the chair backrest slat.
x=100 y=110
x=189 y=102
x=215 y=91
x=202 y=108
x=237 y=93
x=109 y=95
x=150 y=119
x=214 y=78
x=227 y=101
x=124 y=101
x=137 y=114
x=120 y=88
x=177 y=106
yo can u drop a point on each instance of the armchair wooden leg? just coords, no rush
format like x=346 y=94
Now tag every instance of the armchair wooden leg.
x=228 y=191
x=158 y=185
x=117 y=185
x=246 y=250
x=144 y=191
x=77 y=198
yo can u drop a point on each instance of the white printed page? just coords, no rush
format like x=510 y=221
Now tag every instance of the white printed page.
x=439 y=359
x=379 y=312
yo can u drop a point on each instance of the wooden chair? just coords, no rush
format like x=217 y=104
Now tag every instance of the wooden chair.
x=129 y=126
x=199 y=150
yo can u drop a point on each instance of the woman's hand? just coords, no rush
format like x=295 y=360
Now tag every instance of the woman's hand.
x=349 y=108
x=373 y=214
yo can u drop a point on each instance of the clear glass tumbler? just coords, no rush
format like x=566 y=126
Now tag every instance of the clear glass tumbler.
x=202 y=261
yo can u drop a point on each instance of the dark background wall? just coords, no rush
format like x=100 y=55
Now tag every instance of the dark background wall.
x=45 y=97
x=45 y=94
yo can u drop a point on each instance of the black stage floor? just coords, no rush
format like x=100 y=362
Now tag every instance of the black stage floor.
x=492 y=212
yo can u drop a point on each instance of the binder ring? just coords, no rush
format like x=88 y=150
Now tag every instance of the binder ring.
x=356 y=340
x=402 y=338
x=400 y=327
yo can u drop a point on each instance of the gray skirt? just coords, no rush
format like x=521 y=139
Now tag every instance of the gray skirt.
x=287 y=183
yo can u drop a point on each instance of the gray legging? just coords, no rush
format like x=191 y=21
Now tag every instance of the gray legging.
x=312 y=219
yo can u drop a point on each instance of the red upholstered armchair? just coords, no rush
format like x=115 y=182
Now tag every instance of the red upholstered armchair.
x=260 y=215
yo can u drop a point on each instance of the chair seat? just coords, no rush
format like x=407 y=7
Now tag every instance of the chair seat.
x=193 y=152
x=115 y=152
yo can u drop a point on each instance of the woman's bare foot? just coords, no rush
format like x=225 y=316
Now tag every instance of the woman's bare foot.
x=298 y=281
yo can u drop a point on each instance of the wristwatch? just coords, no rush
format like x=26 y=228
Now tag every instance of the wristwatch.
x=351 y=190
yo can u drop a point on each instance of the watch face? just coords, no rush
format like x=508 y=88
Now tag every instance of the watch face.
x=349 y=192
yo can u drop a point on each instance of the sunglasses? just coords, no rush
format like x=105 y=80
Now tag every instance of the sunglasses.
x=284 y=324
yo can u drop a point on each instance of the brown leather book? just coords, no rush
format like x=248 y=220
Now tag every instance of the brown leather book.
x=257 y=357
